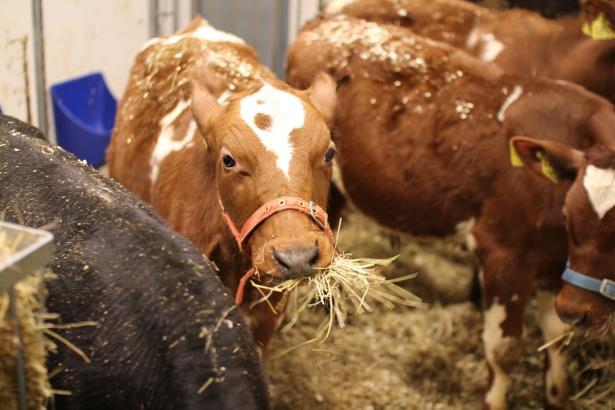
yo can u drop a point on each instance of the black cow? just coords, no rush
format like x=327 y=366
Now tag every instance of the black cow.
x=167 y=327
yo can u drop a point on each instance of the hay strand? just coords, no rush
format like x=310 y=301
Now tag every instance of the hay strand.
x=348 y=286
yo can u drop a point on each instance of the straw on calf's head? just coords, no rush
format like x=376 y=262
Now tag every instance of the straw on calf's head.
x=587 y=298
x=273 y=146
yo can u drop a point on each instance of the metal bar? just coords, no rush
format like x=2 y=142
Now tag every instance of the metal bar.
x=19 y=365
x=39 y=65
x=281 y=37
x=195 y=8
x=175 y=15
x=154 y=23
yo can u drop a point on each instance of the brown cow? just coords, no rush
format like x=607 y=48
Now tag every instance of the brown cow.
x=586 y=301
x=423 y=130
x=519 y=41
x=266 y=142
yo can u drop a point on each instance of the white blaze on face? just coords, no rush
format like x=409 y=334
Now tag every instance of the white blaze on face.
x=165 y=143
x=552 y=327
x=493 y=338
x=600 y=186
x=286 y=114
x=514 y=96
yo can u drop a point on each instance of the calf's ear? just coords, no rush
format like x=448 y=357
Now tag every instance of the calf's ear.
x=323 y=95
x=205 y=106
x=548 y=159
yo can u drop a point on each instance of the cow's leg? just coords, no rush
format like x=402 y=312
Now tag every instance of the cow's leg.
x=556 y=383
x=506 y=287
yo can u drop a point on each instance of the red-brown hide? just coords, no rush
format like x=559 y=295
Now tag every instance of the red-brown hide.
x=423 y=132
x=519 y=41
x=170 y=146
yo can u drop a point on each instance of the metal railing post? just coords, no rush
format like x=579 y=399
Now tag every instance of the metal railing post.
x=39 y=66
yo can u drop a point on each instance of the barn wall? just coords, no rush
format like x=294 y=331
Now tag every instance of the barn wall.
x=15 y=24
x=82 y=36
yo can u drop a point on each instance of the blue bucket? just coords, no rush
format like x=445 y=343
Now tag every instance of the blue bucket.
x=84 y=112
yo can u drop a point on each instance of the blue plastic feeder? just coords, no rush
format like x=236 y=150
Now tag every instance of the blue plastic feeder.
x=84 y=111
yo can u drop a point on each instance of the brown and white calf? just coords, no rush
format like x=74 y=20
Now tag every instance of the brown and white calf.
x=423 y=131
x=519 y=41
x=193 y=154
x=587 y=298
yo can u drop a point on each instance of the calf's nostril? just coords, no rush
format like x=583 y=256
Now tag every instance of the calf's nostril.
x=297 y=262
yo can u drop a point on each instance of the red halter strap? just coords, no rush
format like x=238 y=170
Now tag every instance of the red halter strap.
x=285 y=203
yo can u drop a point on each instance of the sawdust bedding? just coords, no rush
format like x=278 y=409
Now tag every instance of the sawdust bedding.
x=428 y=358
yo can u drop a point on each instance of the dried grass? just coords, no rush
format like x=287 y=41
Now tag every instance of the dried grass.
x=34 y=346
x=422 y=359
x=347 y=287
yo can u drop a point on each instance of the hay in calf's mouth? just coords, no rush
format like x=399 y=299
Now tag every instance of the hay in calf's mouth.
x=347 y=286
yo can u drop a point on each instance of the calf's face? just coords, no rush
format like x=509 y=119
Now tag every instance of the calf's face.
x=269 y=142
x=590 y=223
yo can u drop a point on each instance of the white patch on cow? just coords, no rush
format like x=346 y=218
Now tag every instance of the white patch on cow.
x=490 y=47
x=473 y=37
x=203 y=32
x=514 y=96
x=286 y=112
x=165 y=143
x=464 y=232
x=552 y=327
x=151 y=42
x=600 y=186
x=335 y=6
x=222 y=98
x=493 y=338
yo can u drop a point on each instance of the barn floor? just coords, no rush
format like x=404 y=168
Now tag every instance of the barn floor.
x=420 y=359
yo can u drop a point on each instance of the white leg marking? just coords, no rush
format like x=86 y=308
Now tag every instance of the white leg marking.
x=556 y=387
x=464 y=232
x=514 y=96
x=493 y=338
x=286 y=113
x=165 y=144
x=600 y=186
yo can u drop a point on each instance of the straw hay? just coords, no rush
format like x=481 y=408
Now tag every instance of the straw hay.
x=348 y=286
x=425 y=358
x=27 y=303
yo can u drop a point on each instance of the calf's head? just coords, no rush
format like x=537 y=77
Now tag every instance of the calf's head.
x=271 y=142
x=590 y=222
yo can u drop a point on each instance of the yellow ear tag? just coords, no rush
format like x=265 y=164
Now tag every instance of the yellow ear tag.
x=515 y=159
x=599 y=28
x=547 y=168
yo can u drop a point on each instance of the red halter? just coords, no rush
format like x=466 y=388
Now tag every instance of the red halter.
x=284 y=203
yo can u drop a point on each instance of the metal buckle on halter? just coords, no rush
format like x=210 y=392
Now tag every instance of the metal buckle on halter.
x=313 y=214
x=604 y=289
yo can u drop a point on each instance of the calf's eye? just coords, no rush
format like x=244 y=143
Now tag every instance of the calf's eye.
x=329 y=155
x=228 y=161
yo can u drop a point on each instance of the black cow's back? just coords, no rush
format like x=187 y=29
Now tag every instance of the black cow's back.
x=166 y=323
